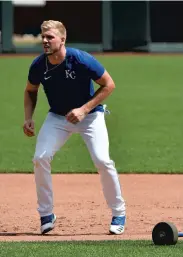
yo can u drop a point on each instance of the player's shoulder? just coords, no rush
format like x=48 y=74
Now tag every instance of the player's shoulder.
x=38 y=60
x=78 y=54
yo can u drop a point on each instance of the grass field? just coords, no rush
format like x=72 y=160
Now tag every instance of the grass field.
x=145 y=130
x=90 y=249
x=145 y=125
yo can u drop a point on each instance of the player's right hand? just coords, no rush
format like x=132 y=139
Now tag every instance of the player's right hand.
x=28 y=128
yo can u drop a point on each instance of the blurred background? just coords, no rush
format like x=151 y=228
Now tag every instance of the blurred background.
x=97 y=26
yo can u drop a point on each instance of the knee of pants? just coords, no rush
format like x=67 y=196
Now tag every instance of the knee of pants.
x=42 y=158
x=103 y=164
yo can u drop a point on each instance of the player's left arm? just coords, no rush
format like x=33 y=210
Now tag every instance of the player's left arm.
x=98 y=74
x=107 y=85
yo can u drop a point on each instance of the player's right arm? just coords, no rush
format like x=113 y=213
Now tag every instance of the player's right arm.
x=30 y=96
x=30 y=100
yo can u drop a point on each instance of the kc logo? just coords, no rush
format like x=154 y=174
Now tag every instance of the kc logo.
x=70 y=74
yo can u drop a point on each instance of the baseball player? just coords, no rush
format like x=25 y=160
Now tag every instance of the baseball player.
x=67 y=76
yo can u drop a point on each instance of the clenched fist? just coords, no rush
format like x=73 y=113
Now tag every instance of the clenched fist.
x=76 y=115
x=28 y=128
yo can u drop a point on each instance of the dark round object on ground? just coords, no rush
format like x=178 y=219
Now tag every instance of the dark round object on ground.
x=165 y=233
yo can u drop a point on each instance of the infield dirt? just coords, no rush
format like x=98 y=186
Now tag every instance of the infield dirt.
x=82 y=213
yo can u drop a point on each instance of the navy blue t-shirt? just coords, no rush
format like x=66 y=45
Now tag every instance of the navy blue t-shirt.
x=68 y=85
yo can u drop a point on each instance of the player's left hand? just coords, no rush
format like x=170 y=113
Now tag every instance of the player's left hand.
x=76 y=115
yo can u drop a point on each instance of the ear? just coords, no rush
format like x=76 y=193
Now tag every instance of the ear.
x=63 y=39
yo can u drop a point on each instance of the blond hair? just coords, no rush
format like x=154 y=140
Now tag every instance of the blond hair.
x=51 y=24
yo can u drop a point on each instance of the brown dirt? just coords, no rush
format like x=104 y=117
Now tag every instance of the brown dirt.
x=82 y=213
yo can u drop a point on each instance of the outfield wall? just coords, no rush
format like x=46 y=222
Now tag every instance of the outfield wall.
x=148 y=26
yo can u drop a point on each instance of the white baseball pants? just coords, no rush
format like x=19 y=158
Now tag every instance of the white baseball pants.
x=52 y=136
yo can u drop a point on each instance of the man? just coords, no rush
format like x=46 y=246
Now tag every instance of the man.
x=66 y=75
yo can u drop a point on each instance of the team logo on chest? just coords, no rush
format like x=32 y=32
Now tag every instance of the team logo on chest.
x=70 y=74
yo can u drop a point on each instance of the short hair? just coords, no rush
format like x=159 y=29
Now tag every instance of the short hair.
x=51 y=24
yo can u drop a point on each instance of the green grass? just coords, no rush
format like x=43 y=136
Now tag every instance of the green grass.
x=89 y=249
x=145 y=126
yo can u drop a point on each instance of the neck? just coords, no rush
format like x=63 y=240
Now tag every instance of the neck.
x=57 y=57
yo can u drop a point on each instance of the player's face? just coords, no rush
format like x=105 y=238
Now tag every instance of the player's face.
x=52 y=41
